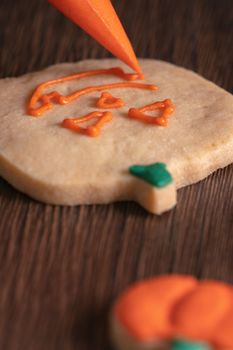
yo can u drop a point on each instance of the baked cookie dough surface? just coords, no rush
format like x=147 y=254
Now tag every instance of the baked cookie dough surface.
x=59 y=166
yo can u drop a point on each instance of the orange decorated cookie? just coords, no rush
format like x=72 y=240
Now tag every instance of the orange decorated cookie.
x=174 y=312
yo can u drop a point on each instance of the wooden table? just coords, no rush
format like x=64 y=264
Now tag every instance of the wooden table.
x=61 y=267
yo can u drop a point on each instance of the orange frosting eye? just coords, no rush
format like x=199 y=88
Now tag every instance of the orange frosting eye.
x=106 y=100
x=91 y=130
x=166 y=107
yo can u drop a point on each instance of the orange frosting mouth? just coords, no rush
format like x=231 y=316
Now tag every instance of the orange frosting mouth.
x=45 y=101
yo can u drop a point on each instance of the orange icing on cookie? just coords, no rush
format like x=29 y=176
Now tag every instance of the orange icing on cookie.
x=178 y=306
x=91 y=130
x=223 y=334
x=45 y=100
x=166 y=107
x=197 y=314
x=106 y=100
x=145 y=308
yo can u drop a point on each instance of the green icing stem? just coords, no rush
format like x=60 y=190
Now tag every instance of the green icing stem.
x=180 y=344
x=155 y=174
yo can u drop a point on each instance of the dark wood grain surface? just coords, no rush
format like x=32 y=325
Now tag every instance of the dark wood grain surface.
x=61 y=267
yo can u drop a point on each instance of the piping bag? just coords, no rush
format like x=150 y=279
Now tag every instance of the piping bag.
x=99 y=19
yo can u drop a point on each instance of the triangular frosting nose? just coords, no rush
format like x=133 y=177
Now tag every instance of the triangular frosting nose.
x=106 y=100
